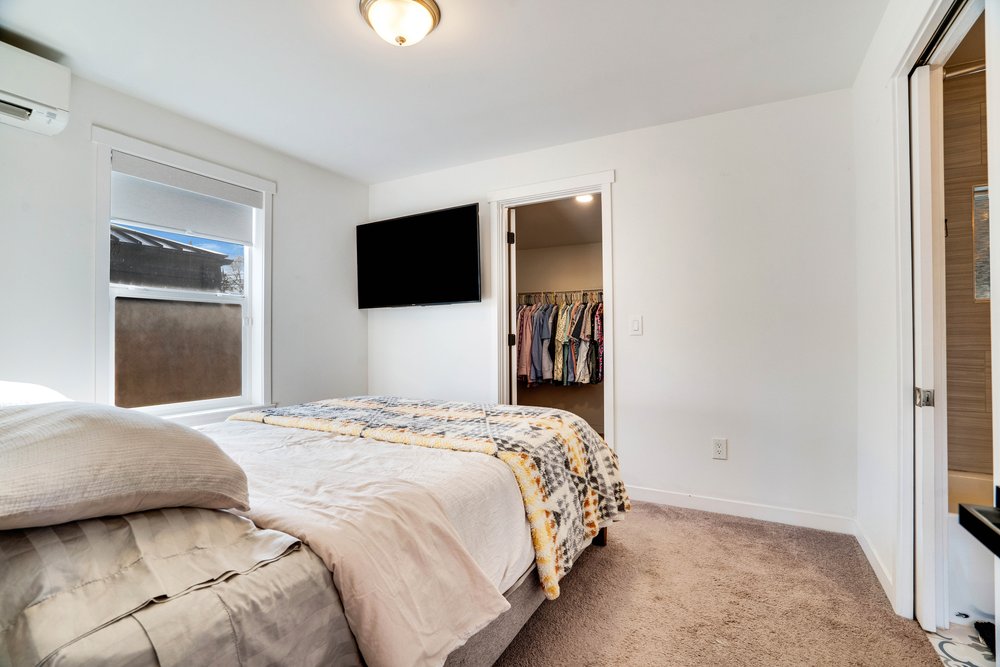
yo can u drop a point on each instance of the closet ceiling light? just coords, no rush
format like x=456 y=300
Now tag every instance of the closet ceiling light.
x=401 y=22
x=585 y=199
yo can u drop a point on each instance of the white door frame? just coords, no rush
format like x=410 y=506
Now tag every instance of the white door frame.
x=500 y=203
x=930 y=424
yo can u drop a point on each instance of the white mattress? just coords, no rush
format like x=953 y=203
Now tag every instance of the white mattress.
x=478 y=492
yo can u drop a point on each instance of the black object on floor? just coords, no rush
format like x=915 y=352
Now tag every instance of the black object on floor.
x=988 y=632
x=984 y=524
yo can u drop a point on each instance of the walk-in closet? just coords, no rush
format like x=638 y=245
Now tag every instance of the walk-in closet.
x=558 y=316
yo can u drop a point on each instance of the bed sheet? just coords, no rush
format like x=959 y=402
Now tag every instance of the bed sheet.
x=478 y=492
x=167 y=587
x=285 y=613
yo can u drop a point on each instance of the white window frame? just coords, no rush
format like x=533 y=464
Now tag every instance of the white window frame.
x=256 y=300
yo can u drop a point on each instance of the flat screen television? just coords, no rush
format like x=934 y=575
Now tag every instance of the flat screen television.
x=420 y=260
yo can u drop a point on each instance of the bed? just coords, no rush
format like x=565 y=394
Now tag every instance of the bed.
x=355 y=546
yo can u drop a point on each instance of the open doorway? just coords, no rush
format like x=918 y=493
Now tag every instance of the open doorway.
x=967 y=317
x=553 y=244
x=970 y=415
x=557 y=275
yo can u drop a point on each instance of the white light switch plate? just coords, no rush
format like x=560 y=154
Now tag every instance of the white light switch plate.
x=635 y=326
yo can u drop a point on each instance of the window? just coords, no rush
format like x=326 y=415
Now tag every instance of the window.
x=180 y=338
x=185 y=283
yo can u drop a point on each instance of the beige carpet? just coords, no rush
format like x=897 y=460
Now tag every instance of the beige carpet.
x=681 y=587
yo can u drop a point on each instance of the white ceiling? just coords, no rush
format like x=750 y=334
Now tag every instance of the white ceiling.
x=310 y=78
x=558 y=223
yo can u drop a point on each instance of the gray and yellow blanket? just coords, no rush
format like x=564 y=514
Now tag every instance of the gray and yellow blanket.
x=569 y=477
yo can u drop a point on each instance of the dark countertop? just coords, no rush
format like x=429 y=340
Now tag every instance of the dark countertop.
x=983 y=522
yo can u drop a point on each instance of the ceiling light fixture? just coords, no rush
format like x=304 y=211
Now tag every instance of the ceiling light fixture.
x=401 y=22
x=585 y=199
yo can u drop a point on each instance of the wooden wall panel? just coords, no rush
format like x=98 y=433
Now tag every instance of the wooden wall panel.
x=970 y=416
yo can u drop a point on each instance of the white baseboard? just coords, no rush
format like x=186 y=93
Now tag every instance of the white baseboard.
x=881 y=572
x=786 y=515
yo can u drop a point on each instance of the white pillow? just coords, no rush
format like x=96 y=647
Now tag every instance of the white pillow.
x=63 y=462
x=25 y=393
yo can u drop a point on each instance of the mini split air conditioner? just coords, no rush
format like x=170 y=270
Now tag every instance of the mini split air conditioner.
x=34 y=92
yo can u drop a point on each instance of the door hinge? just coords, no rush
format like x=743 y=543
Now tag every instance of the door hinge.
x=511 y=340
x=923 y=398
x=510 y=238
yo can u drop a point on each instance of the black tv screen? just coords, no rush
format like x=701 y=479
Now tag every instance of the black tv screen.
x=423 y=259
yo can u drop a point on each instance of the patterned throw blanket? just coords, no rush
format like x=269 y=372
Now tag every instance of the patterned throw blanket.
x=568 y=476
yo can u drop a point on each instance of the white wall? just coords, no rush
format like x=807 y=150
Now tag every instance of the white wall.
x=883 y=317
x=565 y=267
x=47 y=236
x=733 y=239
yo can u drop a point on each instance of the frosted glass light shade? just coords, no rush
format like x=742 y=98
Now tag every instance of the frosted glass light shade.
x=401 y=22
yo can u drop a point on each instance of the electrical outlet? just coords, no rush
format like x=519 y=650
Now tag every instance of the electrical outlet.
x=720 y=448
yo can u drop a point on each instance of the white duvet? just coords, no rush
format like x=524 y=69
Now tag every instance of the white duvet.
x=421 y=542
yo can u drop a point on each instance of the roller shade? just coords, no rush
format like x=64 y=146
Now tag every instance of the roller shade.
x=185 y=180
x=151 y=193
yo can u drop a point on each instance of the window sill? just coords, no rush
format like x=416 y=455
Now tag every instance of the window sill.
x=211 y=416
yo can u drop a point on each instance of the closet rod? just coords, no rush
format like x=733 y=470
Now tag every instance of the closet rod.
x=563 y=291
x=525 y=298
x=965 y=70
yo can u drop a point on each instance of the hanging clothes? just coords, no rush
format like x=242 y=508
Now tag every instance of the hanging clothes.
x=560 y=338
x=599 y=340
x=539 y=340
x=524 y=334
x=548 y=344
x=576 y=341
x=583 y=360
x=559 y=363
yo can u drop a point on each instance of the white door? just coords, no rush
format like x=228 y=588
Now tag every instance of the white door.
x=930 y=416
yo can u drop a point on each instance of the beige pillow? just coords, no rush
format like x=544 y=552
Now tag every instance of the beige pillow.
x=62 y=462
